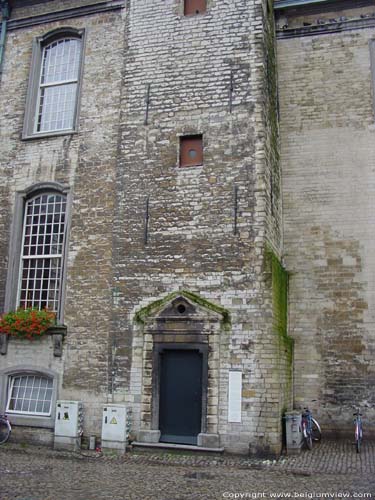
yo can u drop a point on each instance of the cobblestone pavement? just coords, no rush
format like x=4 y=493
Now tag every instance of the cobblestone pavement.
x=330 y=470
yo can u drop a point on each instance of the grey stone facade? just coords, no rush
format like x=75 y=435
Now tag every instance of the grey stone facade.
x=163 y=258
x=326 y=85
x=85 y=162
x=145 y=232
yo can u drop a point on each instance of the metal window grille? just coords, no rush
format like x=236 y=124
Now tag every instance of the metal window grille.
x=58 y=85
x=30 y=394
x=42 y=252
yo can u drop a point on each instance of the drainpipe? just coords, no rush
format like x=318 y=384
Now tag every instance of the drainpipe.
x=4 y=16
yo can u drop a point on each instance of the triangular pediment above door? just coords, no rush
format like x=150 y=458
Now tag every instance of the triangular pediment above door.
x=183 y=305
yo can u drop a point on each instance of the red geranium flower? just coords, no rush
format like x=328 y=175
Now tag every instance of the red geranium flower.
x=27 y=323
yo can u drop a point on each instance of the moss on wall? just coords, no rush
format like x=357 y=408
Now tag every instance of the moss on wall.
x=197 y=299
x=280 y=303
x=279 y=284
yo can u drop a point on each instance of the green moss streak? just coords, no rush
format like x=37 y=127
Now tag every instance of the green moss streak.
x=142 y=315
x=280 y=311
x=197 y=299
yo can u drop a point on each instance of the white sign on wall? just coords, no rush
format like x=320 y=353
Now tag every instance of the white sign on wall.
x=234 y=396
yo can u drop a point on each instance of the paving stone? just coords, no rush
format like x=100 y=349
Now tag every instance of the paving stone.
x=331 y=469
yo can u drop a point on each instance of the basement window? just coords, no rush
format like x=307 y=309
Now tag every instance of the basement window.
x=30 y=394
x=193 y=7
x=191 y=151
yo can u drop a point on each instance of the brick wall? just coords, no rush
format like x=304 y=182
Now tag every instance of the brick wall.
x=116 y=163
x=327 y=150
x=86 y=162
x=22 y=9
x=191 y=242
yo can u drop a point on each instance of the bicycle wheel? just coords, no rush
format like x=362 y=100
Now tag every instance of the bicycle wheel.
x=316 y=431
x=4 y=431
x=307 y=437
x=309 y=441
x=358 y=438
x=358 y=445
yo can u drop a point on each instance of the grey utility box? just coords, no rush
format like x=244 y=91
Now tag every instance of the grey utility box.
x=115 y=427
x=68 y=425
x=293 y=424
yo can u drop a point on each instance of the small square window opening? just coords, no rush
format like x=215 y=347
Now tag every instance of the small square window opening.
x=192 y=7
x=191 y=151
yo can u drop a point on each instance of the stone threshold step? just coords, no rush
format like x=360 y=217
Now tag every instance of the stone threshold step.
x=172 y=446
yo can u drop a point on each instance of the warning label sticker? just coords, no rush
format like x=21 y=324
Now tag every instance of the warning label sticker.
x=113 y=421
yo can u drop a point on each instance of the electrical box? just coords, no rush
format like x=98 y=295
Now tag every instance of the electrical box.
x=115 y=427
x=293 y=427
x=69 y=418
x=68 y=424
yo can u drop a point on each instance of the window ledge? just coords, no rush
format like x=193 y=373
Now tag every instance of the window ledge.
x=199 y=14
x=57 y=332
x=46 y=135
x=200 y=165
x=31 y=420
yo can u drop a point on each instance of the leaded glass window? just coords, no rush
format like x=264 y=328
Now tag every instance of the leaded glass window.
x=59 y=77
x=54 y=84
x=42 y=252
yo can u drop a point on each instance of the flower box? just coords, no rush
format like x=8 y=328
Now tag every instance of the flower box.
x=31 y=324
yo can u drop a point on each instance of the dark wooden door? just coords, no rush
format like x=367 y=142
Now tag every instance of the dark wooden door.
x=180 y=405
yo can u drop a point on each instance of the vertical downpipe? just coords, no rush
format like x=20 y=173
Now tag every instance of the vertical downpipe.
x=4 y=17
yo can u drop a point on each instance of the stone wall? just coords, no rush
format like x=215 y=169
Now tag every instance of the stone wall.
x=207 y=227
x=86 y=163
x=278 y=277
x=328 y=152
x=22 y=9
x=192 y=243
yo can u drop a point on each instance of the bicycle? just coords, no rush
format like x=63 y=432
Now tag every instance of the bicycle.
x=358 y=431
x=311 y=430
x=5 y=429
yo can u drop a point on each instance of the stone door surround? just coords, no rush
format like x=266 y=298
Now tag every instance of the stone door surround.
x=181 y=322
